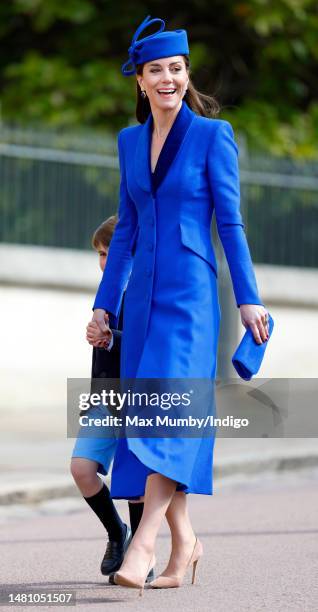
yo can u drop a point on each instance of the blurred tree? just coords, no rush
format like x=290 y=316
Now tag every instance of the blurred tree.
x=60 y=63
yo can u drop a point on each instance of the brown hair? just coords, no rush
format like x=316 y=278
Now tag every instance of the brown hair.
x=200 y=103
x=104 y=233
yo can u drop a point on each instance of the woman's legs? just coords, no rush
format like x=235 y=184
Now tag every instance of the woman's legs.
x=182 y=535
x=158 y=494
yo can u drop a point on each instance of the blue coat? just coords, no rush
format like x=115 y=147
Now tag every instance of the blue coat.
x=172 y=314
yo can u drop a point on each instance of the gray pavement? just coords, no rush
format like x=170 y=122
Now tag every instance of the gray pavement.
x=260 y=541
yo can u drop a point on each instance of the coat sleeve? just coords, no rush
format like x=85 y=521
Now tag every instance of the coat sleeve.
x=224 y=181
x=119 y=261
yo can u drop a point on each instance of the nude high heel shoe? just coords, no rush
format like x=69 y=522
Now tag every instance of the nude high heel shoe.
x=170 y=582
x=134 y=581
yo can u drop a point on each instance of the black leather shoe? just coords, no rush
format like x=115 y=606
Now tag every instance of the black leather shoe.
x=150 y=577
x=114 y=555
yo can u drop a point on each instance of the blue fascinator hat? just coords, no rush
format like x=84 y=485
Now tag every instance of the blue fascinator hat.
x=154 y=46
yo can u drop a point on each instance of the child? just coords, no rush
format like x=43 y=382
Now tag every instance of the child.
x=94 y=455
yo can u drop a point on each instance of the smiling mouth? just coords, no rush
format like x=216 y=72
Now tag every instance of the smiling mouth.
x=167 y=93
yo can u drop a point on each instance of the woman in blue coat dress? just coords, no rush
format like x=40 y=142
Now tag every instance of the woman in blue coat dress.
x=178 y=167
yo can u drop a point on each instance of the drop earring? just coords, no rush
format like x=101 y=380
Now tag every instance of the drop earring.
x=143 y=94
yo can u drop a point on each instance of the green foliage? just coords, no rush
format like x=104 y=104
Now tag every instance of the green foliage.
x=63 y=94
x=60 y=64
x=291 y=134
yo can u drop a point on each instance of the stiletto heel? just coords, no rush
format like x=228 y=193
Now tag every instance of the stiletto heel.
x=169 y=582
x=194 y=567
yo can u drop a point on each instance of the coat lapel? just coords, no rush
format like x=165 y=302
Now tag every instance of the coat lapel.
x=172 y=144
x=142 y=155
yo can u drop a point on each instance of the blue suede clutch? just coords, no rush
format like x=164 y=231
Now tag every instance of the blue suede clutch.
x=249 y=355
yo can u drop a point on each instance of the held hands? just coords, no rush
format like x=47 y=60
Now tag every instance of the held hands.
x=255 y=317
x=98 y=333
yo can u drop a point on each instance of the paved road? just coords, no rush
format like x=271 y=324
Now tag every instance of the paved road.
x=260 y=553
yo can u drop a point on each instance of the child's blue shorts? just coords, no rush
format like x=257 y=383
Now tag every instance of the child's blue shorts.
x=90 y=443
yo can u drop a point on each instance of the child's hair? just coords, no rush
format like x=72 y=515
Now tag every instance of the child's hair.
x=104 y=233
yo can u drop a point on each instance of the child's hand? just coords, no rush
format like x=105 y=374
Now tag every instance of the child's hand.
x=102 y=343
x=95 y=336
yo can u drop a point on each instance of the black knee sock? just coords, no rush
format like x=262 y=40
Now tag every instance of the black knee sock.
x=135 y=513
x=103 y=506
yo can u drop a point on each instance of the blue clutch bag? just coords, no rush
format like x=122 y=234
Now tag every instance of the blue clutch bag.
x=249 y=355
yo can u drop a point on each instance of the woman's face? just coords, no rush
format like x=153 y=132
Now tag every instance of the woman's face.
x=161 y=76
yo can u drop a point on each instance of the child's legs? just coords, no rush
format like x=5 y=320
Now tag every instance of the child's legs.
x=84 y=472
x=96 y=493
x=136 y=507
x=92 y=453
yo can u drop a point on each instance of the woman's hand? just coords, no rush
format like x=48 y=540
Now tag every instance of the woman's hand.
x=100 y=317
x=255 y=317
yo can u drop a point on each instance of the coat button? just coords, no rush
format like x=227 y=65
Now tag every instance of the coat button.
x=150 y=247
